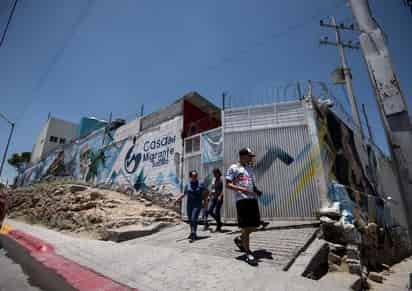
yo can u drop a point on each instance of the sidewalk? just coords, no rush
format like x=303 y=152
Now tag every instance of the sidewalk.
x=398 y=280
x=165 y=263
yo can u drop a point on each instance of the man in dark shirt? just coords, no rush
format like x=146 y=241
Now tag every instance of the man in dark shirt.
x=196 y=194
x=216 y=200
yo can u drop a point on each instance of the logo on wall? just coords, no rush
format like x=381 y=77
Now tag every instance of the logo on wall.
x=132 y=160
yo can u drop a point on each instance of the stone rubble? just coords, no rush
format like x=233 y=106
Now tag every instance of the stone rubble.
x=84 y=209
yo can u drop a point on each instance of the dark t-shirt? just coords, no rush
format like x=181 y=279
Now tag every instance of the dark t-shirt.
x=217 y=187
x=194 y=191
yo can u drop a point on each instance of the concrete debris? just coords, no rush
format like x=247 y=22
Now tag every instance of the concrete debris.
x=360 y=285
x=332 y=212
x=83 y=209
x=352 y=252
x=337 y=249
x=375 y=277
x=354 y=269
x=334 y=259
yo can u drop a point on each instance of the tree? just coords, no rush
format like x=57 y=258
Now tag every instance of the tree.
x=19 y=161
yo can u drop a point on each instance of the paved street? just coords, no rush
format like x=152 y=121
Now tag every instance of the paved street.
x=274 y=248
x=169 y=263
x=12 y=277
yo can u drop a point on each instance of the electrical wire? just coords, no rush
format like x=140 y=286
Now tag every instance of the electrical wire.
x=8 y=23
x=58 y=55
x=277 y=35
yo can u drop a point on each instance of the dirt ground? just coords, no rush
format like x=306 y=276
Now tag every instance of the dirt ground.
x=84 y=210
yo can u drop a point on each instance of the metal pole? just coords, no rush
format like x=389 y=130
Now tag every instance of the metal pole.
x=6 y=149
x=391 y=101
x=348 y=78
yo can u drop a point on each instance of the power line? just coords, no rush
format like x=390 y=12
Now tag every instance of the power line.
x=273 y=36
x=58 y=55
x=8 y=23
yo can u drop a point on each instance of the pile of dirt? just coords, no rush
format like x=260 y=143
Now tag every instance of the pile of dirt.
x=84 y=209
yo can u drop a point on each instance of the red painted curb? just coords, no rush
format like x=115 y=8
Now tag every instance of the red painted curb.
x=77 y=276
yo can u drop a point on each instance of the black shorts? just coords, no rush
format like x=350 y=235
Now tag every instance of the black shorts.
x=248 y=213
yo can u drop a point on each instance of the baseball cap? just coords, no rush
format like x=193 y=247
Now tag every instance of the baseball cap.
x=246 y=152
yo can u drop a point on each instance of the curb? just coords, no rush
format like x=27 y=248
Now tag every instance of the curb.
x=49 y=270
x=122 y=234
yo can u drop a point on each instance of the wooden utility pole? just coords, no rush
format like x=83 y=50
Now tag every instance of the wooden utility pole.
x=346 y=70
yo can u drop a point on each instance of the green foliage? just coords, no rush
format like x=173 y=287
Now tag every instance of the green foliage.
x=19 y=161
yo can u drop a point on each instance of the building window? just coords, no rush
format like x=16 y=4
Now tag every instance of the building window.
x=192 y=145
x=53 y=139
x=188 y=146
x=62 y=140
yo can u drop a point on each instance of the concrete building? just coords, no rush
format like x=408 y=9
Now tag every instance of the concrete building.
x=54 y=133
x=88 y=125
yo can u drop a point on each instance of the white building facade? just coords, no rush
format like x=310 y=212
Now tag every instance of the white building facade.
x=54 y=133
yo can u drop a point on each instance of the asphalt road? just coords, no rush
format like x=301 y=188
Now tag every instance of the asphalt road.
x=12 y=277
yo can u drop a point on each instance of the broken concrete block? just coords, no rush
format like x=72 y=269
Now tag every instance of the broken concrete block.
x=337 y=249
x=331 y=212
x=352 y=252
x=375 y=277
x=355 y=269
x=332 y=231
x=360 y=285
x=325 y=219
x=352 y=261
x=334 y=259
x=386 y=267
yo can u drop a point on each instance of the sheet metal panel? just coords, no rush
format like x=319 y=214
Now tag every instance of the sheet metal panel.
x=263 y=116
x=290 y=191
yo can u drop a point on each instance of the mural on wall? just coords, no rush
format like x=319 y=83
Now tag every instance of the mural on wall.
x=89 y=157
x=299 y=180
x=151 y=159
x=350 y=172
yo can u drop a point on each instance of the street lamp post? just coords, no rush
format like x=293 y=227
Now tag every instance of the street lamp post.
x=8 y=142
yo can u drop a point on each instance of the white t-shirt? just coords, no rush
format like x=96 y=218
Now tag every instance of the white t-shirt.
x=241 y=176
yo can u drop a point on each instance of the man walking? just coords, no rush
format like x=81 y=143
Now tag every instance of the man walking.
x=216 y=200
x=252 y=164
x=196 y=194
x=240 y=180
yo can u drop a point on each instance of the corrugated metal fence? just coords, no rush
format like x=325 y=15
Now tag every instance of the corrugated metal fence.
x=285 y=163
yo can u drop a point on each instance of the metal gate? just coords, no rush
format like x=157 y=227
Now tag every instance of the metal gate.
x=194 y=146
x=286 y=159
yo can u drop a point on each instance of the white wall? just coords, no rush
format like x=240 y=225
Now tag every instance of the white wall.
x=53 y=127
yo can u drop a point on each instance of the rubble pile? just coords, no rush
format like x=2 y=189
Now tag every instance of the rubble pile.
x=359 y=247
x=84 y=209
x=158 y=195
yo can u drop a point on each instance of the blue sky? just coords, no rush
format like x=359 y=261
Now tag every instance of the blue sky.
x=77 y=58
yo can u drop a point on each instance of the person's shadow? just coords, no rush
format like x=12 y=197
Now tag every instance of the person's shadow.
x=263 y=254
x=259 y=255
x=200 y=237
